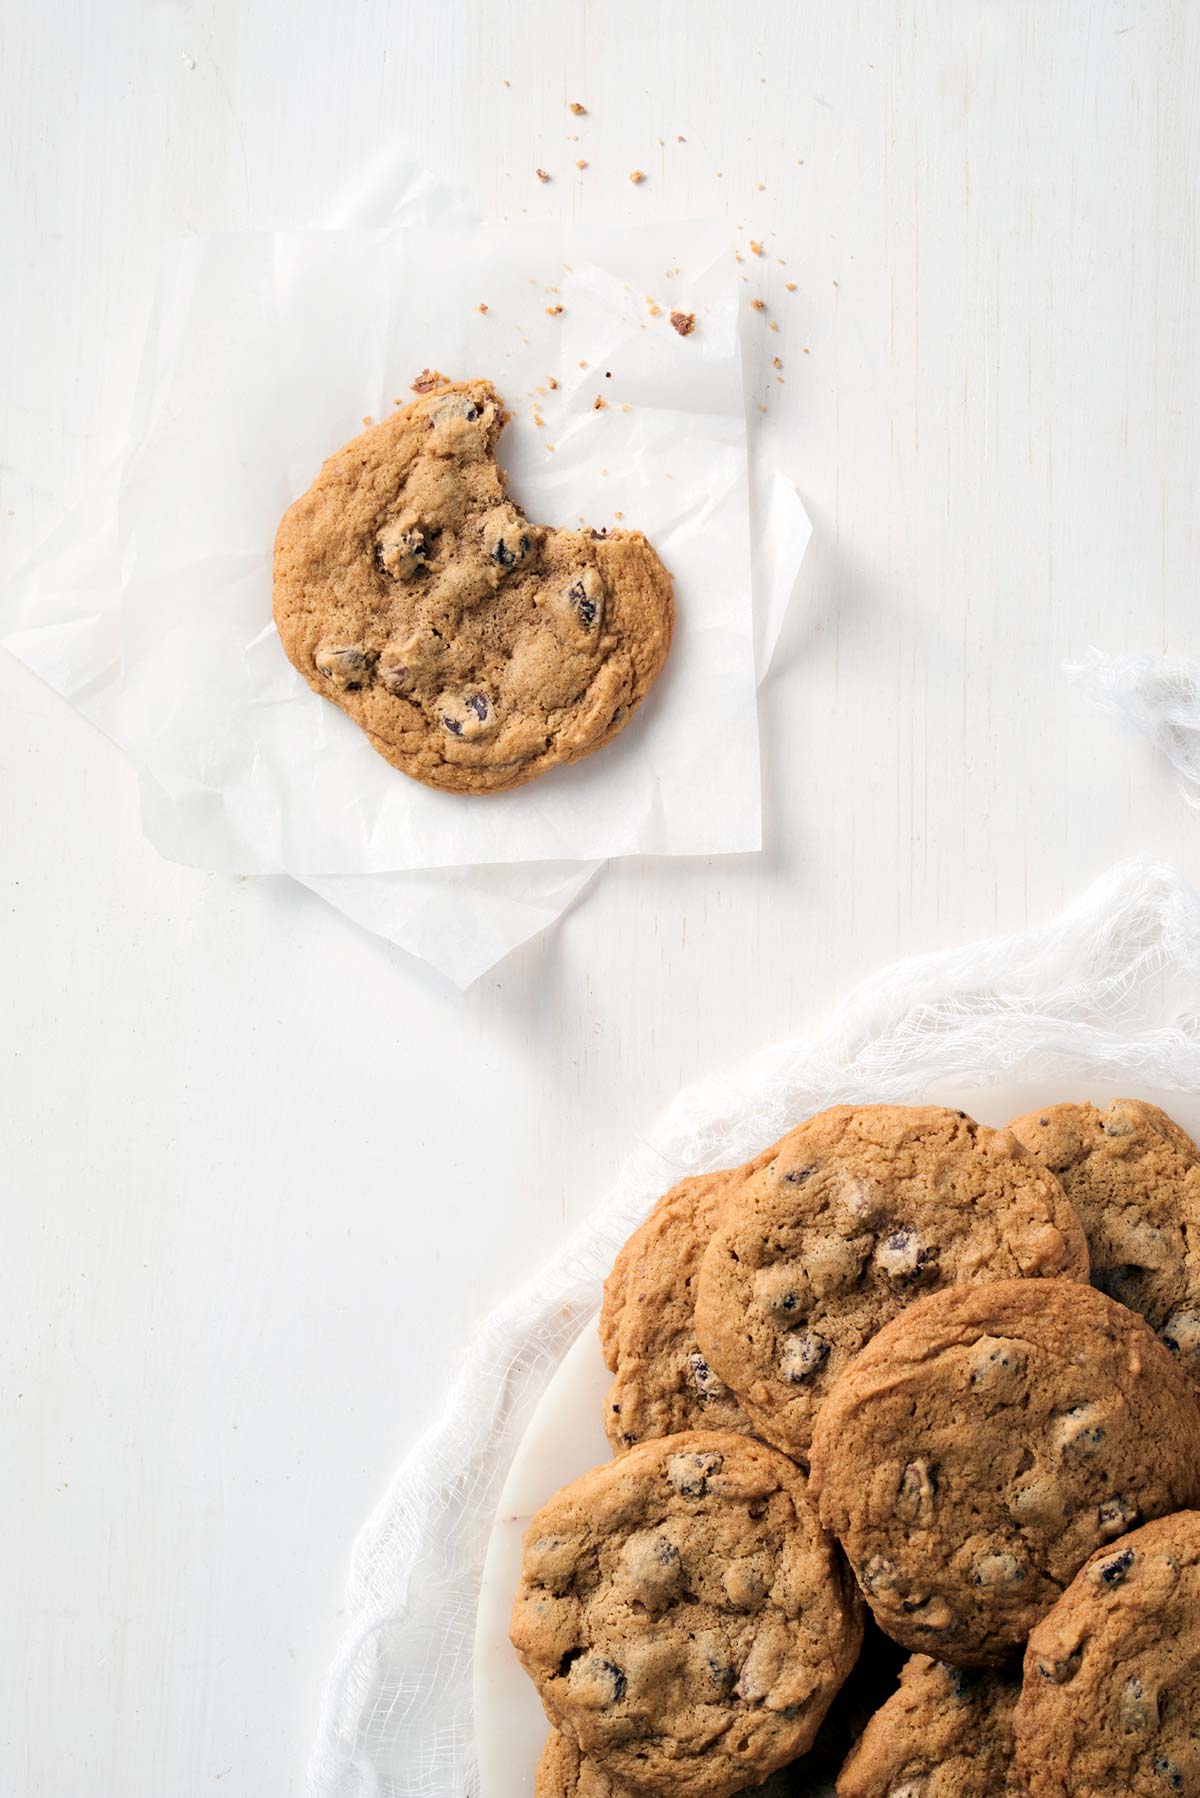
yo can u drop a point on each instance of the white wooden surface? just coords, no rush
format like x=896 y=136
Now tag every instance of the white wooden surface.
x=260 y=1172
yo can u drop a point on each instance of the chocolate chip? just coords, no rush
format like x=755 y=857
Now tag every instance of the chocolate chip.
x=722 y=1675
x=1168 y=1771
x=348 y=668
x=1137 y=1709
x=1116 y=1515
x=597 y=1682
x=1181 y=1333
x=689 y=1474
x=502 y=554
x=998 y=1570
x=905 y=1258
x=401 y=551
x=802 y=1356
x=879 y=1575
x=585 y=607
x=796 y=1176
x=479 y=705
x=704 y=1379
x=452 y=725
x=1076 y=1432
x=1115 y=1571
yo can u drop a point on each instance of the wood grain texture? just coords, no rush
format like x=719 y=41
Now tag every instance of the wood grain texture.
x=261 y=1172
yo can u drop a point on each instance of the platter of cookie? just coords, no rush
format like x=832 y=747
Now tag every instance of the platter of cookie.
x=878 y=1474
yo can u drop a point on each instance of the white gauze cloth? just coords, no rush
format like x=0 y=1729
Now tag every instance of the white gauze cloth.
x=1108 y=992
x=1158 y=696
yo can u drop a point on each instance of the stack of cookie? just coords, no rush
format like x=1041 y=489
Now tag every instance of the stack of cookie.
x=866 y=1369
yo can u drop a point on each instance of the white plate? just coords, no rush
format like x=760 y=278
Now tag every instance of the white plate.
x=565 y=1437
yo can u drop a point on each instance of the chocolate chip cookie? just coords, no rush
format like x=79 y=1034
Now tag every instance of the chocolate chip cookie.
x=1111 y=1693
x=853 y=1215
x=475 y=649
x=683 y=1615
x=663 y=1383
x=946 y=1732
x=563 y=1772
x=985 y=1443
x=1134 y=1178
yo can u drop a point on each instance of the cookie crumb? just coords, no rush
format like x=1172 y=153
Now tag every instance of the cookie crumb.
x=543 y=175
x=758 y=305
x=626 y=407
x=599 y=404
x=538 y=420
x=637 y=176
x=660 y=140
x=756 y=245
x=776 y=362
x=368 y=420
x=427 y=380
x=582 y=163
x=618 y=514
x=683 y=322
x=791 y=286
x=508 y=84
x=806 y=350
x=681 y=140
x=772 y=326
x=553 y=311
x=578 y=108
x=482 y=306
x=551 y=383
x=761 y=407
x=762 y=187
x=582 y=363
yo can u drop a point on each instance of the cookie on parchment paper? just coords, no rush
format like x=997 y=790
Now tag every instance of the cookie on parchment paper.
x=475 y=649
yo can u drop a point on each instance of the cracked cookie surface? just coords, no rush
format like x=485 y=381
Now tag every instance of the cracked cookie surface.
x=1133 y=1176
x=946 y=1732
x=1111 y=1688
x=850 y=1217
x=984 y=1444
x=683 y=1615
x=475 y=649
